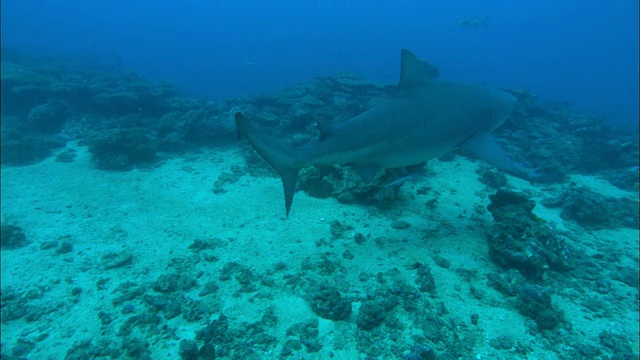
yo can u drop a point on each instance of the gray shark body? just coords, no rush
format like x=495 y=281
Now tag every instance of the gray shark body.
x=425 y=119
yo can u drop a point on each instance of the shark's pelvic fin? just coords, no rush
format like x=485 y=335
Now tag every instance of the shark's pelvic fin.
x=282 y=157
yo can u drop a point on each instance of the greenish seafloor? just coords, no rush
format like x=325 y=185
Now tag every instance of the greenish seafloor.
x=134 y=226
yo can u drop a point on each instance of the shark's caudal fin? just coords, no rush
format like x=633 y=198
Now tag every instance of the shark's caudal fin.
x=283 y=158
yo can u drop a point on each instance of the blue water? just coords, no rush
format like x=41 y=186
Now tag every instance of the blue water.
x=584 y=52
x=135 y=226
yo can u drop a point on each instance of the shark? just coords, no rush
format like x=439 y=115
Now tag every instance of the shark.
x=425 y=118
x=475 y=21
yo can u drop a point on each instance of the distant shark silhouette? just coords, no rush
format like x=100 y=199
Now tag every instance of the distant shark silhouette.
x=475 y=21
x=424 y=120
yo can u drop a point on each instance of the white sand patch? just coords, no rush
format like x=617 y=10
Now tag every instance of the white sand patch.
x=155 y=214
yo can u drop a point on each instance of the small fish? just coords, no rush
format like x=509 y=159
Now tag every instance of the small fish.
x=475 y=21
x=401 y=180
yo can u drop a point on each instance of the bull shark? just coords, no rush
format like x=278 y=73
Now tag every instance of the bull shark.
x=425 y=119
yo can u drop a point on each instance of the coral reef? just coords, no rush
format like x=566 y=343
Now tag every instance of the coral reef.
x=23 y=148
x=594 y=211
x=121 y=149
x=519 y=239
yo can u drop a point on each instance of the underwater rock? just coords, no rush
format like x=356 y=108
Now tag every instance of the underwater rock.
x=441 y=261
x=503 y=342
x=534 y=301
x=400 y=224
x=66 y=156
x=215 y=332
x=223 y=340
x=121 y=149
x=625 y=179
x=312 y=181
x=120 y=102
x=189 y=350
x=519 y=239
x=12 y=237
x=136 y=347
x=506 y=205
x=166 y=283
x=409 y=295
x=338 y=229
x=23 y=87
x=247 y=279
x=188 y=129
x=169 y=283
x=206 y=244
x=555 y=140
x=128 y=291
x=48 y=118
x=627 y=275
x=311 y=100
x=373 y=312
x=65 y=248
x=493 y=178
x=508 y=283
x=207 y=352
x=617 y=343
x=14 y=305
x=305 y=333
x=51 y=244
x=593 y=210
x=424 y=279
x=21 y=148
x=349 y=189
x=289 y=347
x=169 y=305
x=210 y=287
x=85 y=349
x=115 y=260
x=327 y=303
x=421 y=352
x=81 y=350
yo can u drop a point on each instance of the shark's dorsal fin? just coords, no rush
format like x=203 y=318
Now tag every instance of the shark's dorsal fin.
x=414 y=72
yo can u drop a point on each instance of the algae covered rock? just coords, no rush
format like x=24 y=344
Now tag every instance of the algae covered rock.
x=521 y=240
x=48 y=117
x=329 y=304
x=122 y=149
x=12 y=237
x=21 y=148
x=373 y=312
x=534 y=301
x=593 y=210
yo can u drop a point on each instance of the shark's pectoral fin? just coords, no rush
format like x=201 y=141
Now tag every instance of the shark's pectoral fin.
x=483 y=145
x=366 y=171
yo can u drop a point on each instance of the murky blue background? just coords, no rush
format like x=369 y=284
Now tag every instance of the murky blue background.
x=585 y=52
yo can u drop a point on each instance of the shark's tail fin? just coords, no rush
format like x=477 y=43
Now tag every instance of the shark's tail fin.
x=283 y=158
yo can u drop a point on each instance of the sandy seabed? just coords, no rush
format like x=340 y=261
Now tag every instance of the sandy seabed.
x=155 y=214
